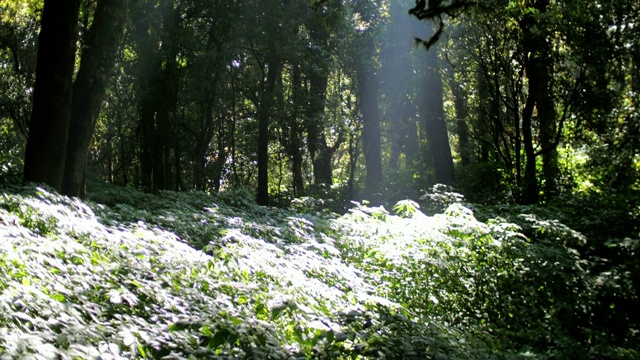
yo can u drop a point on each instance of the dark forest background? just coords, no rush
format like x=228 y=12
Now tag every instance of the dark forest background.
x=516 y=100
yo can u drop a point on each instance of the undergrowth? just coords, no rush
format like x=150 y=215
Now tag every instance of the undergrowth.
x=188 y=275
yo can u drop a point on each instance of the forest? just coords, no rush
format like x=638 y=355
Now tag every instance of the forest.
x=319 y=179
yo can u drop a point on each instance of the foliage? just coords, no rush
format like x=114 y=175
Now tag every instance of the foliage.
x=11 y=168
x=139 y=275
x=601 y=226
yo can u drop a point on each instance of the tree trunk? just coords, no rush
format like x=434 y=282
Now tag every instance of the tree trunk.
x=530 y=181
x=322 y=171
x=537 y=68
x=295 y=141
x=514 y=109
x=545 y=104
x=461 y=115
x=547 y=116
x=432 y=109
x=368 y=94
x=221 y=156
x=50 y=116
x=354 y=154
x=205 y=135
x=168 y=99
x=211 y=75
x=266 y=101
x=318 y=73
x=395 y=136
x=484 y=118
x=149 y=67
x=96 y=65
x=410 y=136
x=158 y=96
x=147 y=133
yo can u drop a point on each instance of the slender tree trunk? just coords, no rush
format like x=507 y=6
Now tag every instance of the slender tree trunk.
x=432 y=109
x=96 y=66
x=211 y=74
x=537 y=68
x=410 y=135
x=51 y=112
x=168 y=102
x=318 y=73
x=147 y=134
x=165 y=103
x=530 y=181
x=205 y=135
x=322 y=171
x=368 y=94
x=354 y=154
x=266 y=101
x=221 y=156
x=178 y=166
x=397 y=137
x=486 y=113
x=232 y=131
x=158 y=96
x=149 y=67
x=547 y=117
x=461 y=115
x=545 y=104
x=124 y=157
x=515 y=112
x=295 y=146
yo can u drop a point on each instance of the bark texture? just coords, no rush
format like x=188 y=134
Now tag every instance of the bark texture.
x=432 y=111
x=368 y=93
x=49 y=124
x=266 y=103
x=98 y=57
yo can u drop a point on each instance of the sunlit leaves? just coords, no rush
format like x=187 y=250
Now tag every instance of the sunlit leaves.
x=406 y=208
x=13 y=11
x=119 y=281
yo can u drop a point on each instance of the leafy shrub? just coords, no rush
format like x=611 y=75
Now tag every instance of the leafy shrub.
x=438 y=198
x=190 y=275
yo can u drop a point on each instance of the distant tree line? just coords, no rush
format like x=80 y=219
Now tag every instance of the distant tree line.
x=526 y=99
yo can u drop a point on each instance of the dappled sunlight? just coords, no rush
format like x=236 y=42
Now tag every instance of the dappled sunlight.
x=220 y=276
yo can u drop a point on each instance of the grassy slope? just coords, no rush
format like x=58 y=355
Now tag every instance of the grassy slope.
x=134 y=275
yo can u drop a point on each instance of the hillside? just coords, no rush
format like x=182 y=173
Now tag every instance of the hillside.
x=188 y=275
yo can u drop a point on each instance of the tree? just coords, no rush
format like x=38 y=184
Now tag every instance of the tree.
x=398 y=86
x=460 y=104
x=101 y=45
x=158 y=86
x=318 y=73
x=267 y=98
x=368 y=86
x=433 y=119
x=49 y=125
x=368 y=94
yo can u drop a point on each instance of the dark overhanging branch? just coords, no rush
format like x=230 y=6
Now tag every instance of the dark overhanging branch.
x=434 y=10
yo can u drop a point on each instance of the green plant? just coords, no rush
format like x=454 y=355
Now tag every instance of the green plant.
x=406 y=208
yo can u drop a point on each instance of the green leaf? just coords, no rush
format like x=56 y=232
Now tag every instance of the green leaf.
x=330 y=336
x=141 y=351
x=218 y=339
